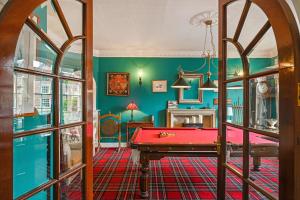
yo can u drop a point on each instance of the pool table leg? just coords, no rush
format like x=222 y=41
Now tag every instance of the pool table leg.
x=256 y=163
x=144 y=179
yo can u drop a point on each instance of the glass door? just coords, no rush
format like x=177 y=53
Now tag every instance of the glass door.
x=251 y=67
x=50 y=105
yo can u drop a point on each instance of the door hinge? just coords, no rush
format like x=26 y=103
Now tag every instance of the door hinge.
x=298 y=94
x=219 y=145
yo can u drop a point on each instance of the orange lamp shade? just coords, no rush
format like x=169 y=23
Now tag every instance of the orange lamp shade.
x=132 y=106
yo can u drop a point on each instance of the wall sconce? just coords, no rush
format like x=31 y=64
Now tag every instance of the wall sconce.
x=140 y=74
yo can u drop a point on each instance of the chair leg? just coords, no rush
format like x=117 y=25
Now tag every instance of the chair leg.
x=120 y=142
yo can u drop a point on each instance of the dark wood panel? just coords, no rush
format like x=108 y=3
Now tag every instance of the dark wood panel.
x=88 y=100
x=12 y=18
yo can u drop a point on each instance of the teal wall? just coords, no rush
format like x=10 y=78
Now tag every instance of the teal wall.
x=153 y=69
x=156 y=69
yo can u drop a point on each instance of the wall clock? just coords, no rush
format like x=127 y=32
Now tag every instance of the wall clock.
x=263 y=88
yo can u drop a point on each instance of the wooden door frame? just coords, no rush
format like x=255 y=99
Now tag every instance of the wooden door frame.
x=287 y=37
x=12 y=18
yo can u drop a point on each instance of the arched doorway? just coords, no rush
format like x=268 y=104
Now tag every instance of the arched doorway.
x=11 y=23
x=46 y=130
x=269 y=96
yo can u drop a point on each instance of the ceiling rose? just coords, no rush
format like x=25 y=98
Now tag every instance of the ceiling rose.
x=202 y=18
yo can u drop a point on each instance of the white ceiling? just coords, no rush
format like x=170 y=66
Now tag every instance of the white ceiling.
x=162 y=28
x=158 y=28
x=149 y=27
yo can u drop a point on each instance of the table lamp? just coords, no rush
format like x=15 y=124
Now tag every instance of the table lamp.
x=132 y=106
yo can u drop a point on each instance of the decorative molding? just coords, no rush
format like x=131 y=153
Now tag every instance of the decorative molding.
x=167 y=53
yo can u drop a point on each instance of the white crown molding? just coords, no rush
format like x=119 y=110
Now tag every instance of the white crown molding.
x=169 y=54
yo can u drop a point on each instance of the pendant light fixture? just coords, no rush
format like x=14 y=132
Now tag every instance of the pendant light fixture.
x=208 y=54
x=180 y=82
x=208 y=19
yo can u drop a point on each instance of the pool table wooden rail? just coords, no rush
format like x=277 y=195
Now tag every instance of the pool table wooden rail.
x=156 y=151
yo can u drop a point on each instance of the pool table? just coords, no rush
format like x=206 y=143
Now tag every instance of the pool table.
x=156 y=143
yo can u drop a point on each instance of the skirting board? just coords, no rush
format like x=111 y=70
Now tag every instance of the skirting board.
x=112 y=144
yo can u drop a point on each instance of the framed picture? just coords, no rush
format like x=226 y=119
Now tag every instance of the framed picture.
x=159 y=86
x=118 y=84
x=192 y=95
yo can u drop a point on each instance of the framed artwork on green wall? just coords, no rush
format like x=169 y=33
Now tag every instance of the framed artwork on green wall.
x=159 y=86
x=118 y=84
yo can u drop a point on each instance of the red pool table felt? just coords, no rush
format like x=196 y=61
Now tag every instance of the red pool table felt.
x=193 y=136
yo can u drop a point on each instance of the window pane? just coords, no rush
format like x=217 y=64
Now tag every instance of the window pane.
x=73 y=11
x=33 y=53
x=235 y=106
x=233 y=187
x=71 y=102
x=33 y=162
x=254 y=194
x=33 y=102
x=264 y=103
x=71 y=148
x=234 y=148
x=234 y=12
x=72 y=63
x=255 y=20
x=234 y=65
x=71 y=188
x=46 y=18
x=264 y=162
x=264 y=56
x=43 y=195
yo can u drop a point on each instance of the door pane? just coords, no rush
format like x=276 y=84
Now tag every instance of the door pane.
x=255 y=20
x=234 y=149
x=71 y=102
x=73 y=11
x=71 y=188
x=234 y=12
x=71 y=148
x=33 y=53
x=33 y=162
x=235 y=106
x=72 y=63
x=46 y=18
x=33 y=102
x=234 y=64
x=264 y=56
x=264 y=162
x=233 y=187
x=264 y=103
x=254 y=194
x=43 y=195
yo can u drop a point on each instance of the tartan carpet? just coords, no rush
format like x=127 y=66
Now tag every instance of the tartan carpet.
x=116 y=177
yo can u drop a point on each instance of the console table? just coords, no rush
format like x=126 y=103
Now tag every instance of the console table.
x=176 y=117
x=134 y=124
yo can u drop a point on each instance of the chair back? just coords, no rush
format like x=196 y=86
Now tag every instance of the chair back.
x=109 y=125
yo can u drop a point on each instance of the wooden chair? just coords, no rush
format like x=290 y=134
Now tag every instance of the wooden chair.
x=110 y=127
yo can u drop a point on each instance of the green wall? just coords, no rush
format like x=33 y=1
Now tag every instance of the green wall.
x=156 y=69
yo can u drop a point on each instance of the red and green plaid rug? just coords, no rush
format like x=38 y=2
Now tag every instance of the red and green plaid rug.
x=116 y=177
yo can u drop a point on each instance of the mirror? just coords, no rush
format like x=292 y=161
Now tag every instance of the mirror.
x=192 y=95
x=264 y=107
